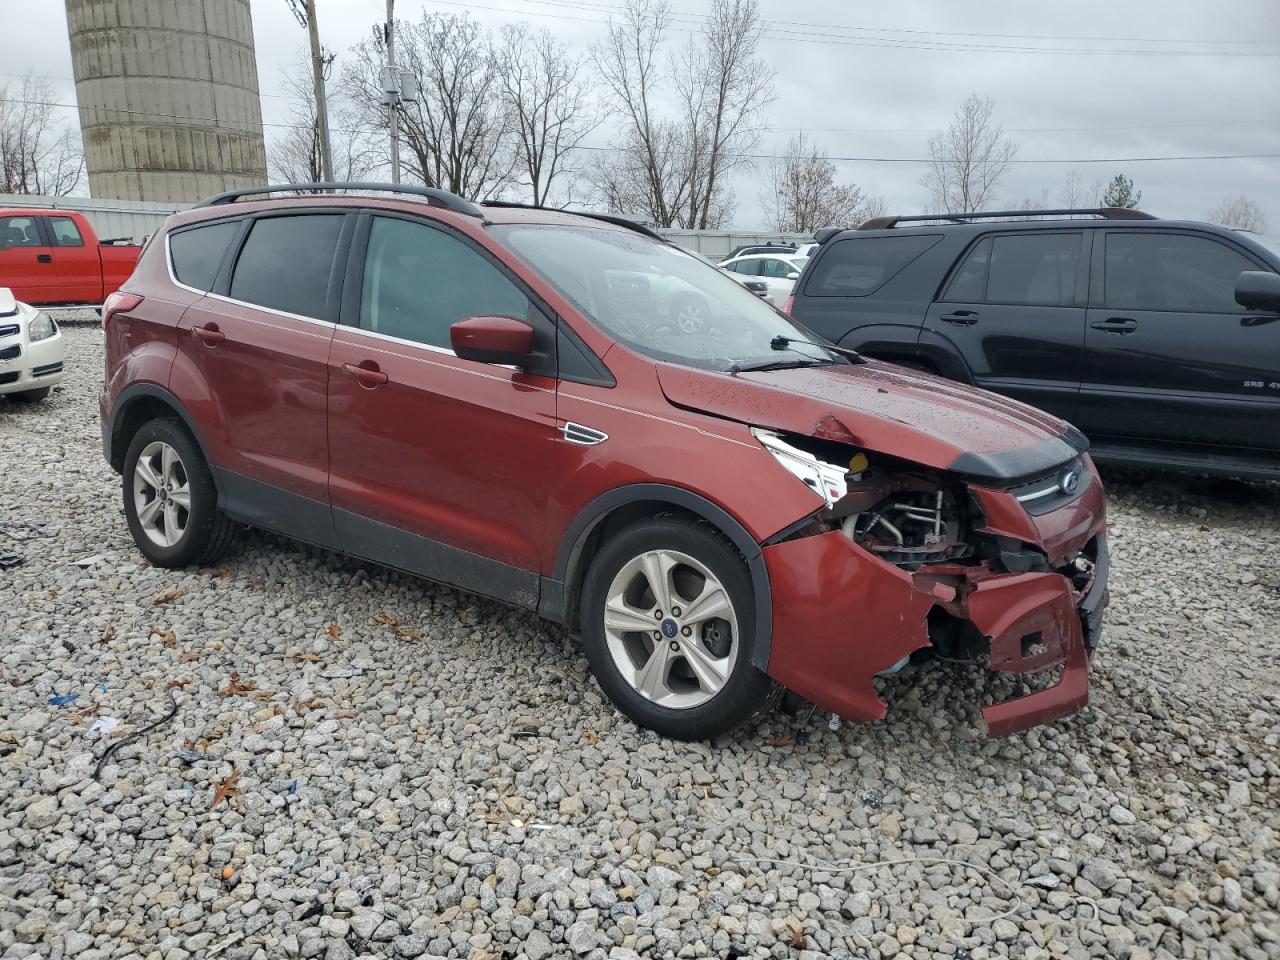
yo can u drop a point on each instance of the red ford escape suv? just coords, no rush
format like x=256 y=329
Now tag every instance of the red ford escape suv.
x=501 y=398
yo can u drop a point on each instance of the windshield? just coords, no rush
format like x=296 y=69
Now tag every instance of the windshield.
x=661 y=300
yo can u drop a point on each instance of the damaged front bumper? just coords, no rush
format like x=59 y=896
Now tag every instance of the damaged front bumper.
x=842 y=615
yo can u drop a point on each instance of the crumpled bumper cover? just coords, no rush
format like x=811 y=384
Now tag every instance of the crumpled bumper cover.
x=840 y=616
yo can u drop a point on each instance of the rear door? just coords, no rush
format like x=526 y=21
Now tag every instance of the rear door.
x=253 y=363
x=1014 y=309
x=78 y=265
x=26 y=260
x=440 y=465
x=1170 y=356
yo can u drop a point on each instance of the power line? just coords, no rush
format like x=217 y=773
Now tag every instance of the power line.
x=740 y=156
x=696 y=21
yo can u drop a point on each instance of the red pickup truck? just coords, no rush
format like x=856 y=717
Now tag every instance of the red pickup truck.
x=50 y=257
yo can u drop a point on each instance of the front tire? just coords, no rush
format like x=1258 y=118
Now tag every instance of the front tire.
x=668 y=623
x=170 y=501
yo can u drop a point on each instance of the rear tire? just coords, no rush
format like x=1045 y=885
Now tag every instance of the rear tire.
x=170 y=501
x=688 y=673
x=31 y=396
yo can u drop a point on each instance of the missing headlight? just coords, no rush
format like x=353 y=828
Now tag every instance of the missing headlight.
x=910 y=526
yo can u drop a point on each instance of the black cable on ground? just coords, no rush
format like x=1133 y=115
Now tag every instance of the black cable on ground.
x=134 y=736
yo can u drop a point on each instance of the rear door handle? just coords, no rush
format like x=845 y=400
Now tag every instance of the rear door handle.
x=209 y=333
x=366 y=373
x=963 y=318
x=1119 y=325
x=44 y=258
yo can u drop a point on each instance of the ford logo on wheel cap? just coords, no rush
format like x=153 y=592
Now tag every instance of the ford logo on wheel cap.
x=1070 y=482
x=670 y=628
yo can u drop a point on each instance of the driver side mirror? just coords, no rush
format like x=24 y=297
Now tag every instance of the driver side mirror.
x=502 y=340
x=1258 y=290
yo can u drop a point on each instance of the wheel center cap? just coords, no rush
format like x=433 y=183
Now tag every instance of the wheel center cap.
x=164 y=494
x=670 y=629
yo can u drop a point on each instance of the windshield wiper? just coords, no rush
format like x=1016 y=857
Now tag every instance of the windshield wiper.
x=789 y=343
x=804 y=361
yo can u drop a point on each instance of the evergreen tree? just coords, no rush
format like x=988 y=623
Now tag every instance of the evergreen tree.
x=1120 y=193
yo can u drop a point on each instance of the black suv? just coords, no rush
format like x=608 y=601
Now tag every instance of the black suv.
x=1160 y=339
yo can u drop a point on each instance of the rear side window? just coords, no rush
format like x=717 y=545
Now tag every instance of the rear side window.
x=1172 y=271
x=65 y=232
x=1035 y=269
x=285 y=263
x=197 y=253
x=859 y=266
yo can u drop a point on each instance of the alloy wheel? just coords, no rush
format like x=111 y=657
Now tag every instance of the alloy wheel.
x=671 y=629
x=161 y=494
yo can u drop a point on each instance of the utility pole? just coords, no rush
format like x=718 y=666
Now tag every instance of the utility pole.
x=317 y=80
x=393 y=107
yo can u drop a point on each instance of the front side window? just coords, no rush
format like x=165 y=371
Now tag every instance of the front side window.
x=419 y=281
x=776 y=269
x=858 y=266
x=636 y=290
x=65 y=232
x=196 y=253
x=285 y=263
x=1172 y=271
x=19 y=232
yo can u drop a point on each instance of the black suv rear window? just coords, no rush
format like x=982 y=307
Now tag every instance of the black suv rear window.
x=197 y=253
x=857 y=266
x=285 y=263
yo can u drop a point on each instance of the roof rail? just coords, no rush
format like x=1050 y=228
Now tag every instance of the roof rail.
x=1106 y=213
x=442 y=198
x=824 y=234
x=604 y=217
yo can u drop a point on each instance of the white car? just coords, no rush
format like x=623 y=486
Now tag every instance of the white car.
x=31 y=350
x=778 y=271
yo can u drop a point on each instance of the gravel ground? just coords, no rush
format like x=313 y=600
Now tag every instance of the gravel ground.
x=365 y=764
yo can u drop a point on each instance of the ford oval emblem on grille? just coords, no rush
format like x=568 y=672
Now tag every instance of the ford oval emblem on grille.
x=1070 y=482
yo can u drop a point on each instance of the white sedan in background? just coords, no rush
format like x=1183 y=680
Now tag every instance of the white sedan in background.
x=779 y=273
x=31 y=350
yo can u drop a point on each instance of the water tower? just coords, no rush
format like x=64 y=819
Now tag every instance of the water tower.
x=168 y=93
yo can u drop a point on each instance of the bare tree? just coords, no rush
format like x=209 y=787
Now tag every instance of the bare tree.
x=676 y=170
x=39 y=153
x=968 y=159
x=1241 y=213
x=456 y=134
x=294 y=155
x=550 y=109
x=722 y=83
x=1076 y=194
x=805 y=196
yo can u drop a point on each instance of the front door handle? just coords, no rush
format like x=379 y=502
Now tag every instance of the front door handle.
x=1121 y=325
x=366 y=373
x=44 y=258
x=962 y=318
x=209 y=333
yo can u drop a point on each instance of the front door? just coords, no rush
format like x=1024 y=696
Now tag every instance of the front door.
x=1170 y=356
x=439 y=465
x=252 y=369
x=1014 y=309
x=26 y=260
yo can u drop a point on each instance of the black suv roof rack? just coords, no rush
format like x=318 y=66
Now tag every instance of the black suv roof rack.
x=442 y=198
x=603 y=217
x=1106 y=213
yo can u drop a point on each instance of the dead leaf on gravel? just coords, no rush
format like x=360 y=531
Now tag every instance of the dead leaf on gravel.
x=177 y=684
x=169 y=597
x=226 y=790
x=168 y=638
x=798 y=939
x=385 y=619
x=405 y=633
x=334 y=631
x=590 y=737
x=107 y=636
x=237 y=689
x=307 y=705
x=780 y=742
x=307 y=657
x=188 y=656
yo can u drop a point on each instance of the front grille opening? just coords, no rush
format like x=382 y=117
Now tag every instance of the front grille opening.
x=46 y=369
x=1033 y=644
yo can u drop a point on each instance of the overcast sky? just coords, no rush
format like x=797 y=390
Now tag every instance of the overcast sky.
x=1183 y=78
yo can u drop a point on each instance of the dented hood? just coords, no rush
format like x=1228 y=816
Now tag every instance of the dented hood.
x=887 y=409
